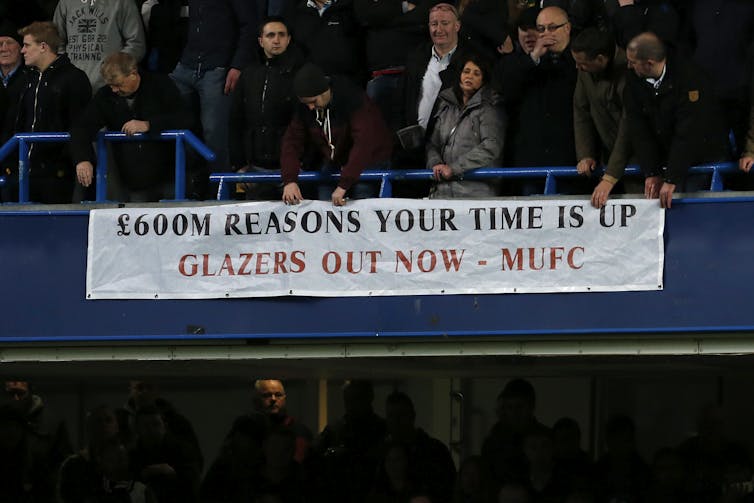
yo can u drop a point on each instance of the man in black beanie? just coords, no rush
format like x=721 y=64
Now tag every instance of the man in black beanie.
x=346 y=129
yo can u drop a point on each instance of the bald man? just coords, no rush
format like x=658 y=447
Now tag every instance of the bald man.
x=673 y=118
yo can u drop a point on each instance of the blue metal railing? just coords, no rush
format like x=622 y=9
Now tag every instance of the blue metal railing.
x=21 y=141
x=387 y=177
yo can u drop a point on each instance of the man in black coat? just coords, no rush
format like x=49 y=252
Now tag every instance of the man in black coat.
x=54 y=95
x=673 y=118
x=131 y=102
x=538 y=90
x=263 y=106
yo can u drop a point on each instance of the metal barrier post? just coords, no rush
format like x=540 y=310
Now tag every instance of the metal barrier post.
x=23 y=171
x=717 y=180
x=550 y=185
x=180 y=169
x=386 y=186
x=101 y=188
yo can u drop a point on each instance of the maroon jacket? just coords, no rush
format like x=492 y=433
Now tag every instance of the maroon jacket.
x=359 y=134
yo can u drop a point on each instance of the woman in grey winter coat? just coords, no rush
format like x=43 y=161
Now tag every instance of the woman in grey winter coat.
x=468 y=134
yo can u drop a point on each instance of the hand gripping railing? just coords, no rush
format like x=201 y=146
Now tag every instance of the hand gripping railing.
x=387 y=177
x=21 y=141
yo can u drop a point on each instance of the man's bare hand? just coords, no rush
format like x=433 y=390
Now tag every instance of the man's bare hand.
x=666 y=194
x=231 y=80
x=601 y=193
x=134 y=126
x=652 y=186
x=292 y=193
x=745 y=163
x=586 y=166
x=85 y=173
x=339 y=196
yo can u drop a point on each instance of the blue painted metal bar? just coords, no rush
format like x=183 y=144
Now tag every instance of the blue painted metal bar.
x=23 y=171
x=181 y=137
x=549 y=173
x=101 y=169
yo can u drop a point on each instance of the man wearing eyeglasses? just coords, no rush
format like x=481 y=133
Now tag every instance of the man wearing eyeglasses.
x=538 y=88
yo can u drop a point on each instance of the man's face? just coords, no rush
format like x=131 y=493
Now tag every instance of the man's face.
x=124 y=85
x=33 y=51
x=555 y=29
x=17 y=390
x=584 y=64
x=641 y=68
x=271 y=396
x=318 y=102
x=274 y=39
x=10 y=52
x=443 y=28
x=528 y=38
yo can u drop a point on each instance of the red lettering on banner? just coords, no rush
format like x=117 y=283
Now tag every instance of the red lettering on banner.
x=227 y=266
x=426 y=260
x=242 y=271
x=279 y=263
x=205 y=265
x=182 y=265
x=262 y=263
x=540 y=258
x=297 y=259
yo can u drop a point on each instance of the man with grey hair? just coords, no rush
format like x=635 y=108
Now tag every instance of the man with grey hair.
x=673 y=118
x=132 y=102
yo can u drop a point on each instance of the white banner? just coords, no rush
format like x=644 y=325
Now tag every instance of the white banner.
x=374 y=247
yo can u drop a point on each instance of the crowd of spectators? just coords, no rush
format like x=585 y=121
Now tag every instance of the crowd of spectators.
x=665 y=84
x=146 y=451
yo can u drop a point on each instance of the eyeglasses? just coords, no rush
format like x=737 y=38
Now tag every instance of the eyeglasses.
x=550 y=27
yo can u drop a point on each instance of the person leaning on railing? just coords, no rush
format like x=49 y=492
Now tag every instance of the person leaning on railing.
x=132 y=102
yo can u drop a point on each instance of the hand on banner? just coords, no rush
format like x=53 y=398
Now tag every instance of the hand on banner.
x=601 y=193
x=666 y=194
x=292 y=194
x=652 y=186
x=85 y=173
x=339 y=196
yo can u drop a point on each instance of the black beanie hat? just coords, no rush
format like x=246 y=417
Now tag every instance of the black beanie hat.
x=8 y=29
x=528 y=18
x=310 y=81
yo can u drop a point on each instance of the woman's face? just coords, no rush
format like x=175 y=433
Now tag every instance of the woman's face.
x=471 y=79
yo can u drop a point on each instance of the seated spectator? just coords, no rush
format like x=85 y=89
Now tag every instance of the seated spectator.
x=514 y=492
x=572 y=464
x=26 y=473
x=598 y=118
x=621 y=474
x=133 y=102
x=668 y=483
x=55 y=94
x=263 y=106
x=430 y=465
x=161 y=460
x=338 y=120
x=118 y=484
x=502 y=449
x=144 y=393
x=468 y=133
x=349 y=449
x=270 y=400
x=43 y=429
x=473 y=483
x=81 y=473
x=232 y=475
x=394 y=482
x=673 y=118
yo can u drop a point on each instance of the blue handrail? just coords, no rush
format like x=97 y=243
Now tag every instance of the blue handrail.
x=181 y=137
x=387 y=177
